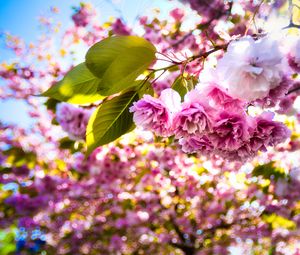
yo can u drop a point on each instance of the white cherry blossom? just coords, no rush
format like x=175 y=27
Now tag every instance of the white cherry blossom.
x=250 y=69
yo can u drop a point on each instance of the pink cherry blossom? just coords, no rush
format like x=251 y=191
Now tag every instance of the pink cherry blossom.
x=219 y=98
x=269 y=132
x=177 y=14
x=196 y=144
x=157 y=114
x=250 y=68
x=230 y=130
x=193 y=119
x=73 y=120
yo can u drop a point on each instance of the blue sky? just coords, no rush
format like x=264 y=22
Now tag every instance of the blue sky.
x=20 y=17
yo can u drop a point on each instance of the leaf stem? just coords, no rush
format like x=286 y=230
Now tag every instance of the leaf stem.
x=192 y=58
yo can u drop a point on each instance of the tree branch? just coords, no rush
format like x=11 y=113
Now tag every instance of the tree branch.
x=191 y=59
x=202 y=26
x=292 y=24
x=293 y=90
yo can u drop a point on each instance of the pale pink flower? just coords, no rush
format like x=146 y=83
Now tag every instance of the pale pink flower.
x=171 y=99
x=295 y=174
x=73 y=120
x=276 y=94
x=250 y=69
x=193 y=119
x=156 y=114
x=269 y=132
x=195 y=144
x=218 y=98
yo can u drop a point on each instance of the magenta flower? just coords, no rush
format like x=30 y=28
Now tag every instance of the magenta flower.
x=220 y=99
x=156 y=114
x=151 y=114
x=83 y=16
x=119 y=28
x=195 y=144
x=293 y=63
x=26 y=222
x=177 y=14
x=268 y=132
x=230 y=131
x=246 y=151
x=209 y=10
x=73 y=120
x=192 y=120
x=286 y=104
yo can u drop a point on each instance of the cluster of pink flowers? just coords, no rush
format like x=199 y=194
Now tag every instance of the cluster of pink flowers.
x=209 y=10
x=252 y=5
x=73 y=120
x=157 y=114
x=288 y=188
x=120 y=28
x=138 y=200
x=83 y=15
x=209 y=122
x=213 y=118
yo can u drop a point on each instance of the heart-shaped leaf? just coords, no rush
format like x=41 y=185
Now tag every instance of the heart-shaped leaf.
x=118 y=61
x=110 y=120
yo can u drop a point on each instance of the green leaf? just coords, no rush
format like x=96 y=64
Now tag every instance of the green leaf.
x=7 y=241
x=51 y=104
x=272 y=250
x=79 y=86
x=143 y=87
x=110 y=120
x=66 y=143
x=118 y=61
x=146 y=88
x=180 y=85
x=269 y=171
x=192 y=81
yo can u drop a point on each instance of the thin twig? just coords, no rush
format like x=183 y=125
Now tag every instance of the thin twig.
x=182 y=39
x=253 y=18
x=293 y=90
x=292 y=24
x=201 y=27
x=158 y=77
